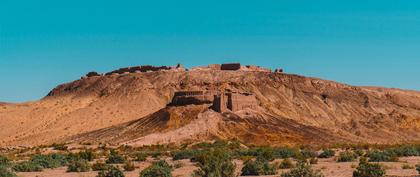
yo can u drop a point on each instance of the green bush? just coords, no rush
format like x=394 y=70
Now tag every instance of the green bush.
x=286 y=164
x=359 y=152
x=327 y=153
x=60 y=147
x=50 y=161
x=111 y=172
x=306 y=153
x=258 y=167
x=284 y=153
x=366 y=169
x=80 y=165
x=129 y=166
x=27 y=166
x=88 y=155
x=4 y=161
x=185 y=154
x=5 y=172
x=347 y=156
x=98 y=166
x=115 y=158
x=405 y=151
x=140 y=157
x=382 y=156
x=215 y=162
x=159 y=169
x=302 y=169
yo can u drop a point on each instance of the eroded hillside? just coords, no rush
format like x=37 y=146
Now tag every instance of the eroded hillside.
x=132 y=108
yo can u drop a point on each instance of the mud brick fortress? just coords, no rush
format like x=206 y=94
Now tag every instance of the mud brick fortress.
x=180 y=68
x=221 y=101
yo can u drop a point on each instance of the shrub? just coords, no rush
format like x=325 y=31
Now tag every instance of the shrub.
x=286 y=164
x=185 y=154
x=407 y=166
x=306 y=153
x=140 y=157
x=215 y=162
x=359 y=152
x=27 y=167
x=88 y=155
x=258 y=167
x=382 y=156
x=111 y=172
x=80 y=165
x=60 y=147
x=327 y=153
x=302 y=170
x=4 y=161
x=347 y=156
x=405 y=151
x=366 y=169
x=418 y=168
x=5 y=172
x=159 y=169
x=115 y=158
x=50 y=161
x=98 y=166
x=129 y=166
x=313 y=160
x=284 y=153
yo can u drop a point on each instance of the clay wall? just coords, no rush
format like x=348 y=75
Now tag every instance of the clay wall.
x=193 y=97
x=231 y=66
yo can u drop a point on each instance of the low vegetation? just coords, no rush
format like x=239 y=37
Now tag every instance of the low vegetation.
x=418 y=168
x=6 y=172
x=115 y=158
x=286 y=164
x=302 y=169
x=366 y=169
x=158 y=169
x=258 y=167
x=347 y=156
x=215 y=162
x=27 y=166
x=382 y=156
x=112 y=171
x=79 y=165
x=327 y=153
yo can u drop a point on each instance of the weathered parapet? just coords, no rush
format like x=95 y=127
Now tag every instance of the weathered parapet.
x=146 y=68
x=231 y=66
x=256 y=68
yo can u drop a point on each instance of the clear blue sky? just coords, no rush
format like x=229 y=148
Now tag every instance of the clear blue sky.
x=359 y=42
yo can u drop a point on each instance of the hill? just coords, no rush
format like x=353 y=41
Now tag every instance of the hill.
x=134 y=108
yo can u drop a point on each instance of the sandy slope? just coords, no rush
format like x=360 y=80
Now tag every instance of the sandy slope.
x=293 y=109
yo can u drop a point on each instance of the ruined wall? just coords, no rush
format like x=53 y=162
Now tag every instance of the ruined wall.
x=239 y=101
x=257 y=68
x=192 y=97
x=231 y=66
x=145 y=68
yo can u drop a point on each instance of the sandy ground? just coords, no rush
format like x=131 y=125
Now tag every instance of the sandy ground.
x=329 y=167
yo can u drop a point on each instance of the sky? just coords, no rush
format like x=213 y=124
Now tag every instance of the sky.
x=359 y=42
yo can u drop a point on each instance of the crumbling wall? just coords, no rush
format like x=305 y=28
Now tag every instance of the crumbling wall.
x=145 y=68
x=231 y=66
x=192 y=97
x=240 y=101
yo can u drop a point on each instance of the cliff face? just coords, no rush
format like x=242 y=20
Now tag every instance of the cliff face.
x=292 y=109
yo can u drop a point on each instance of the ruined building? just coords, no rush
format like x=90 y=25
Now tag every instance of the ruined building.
x=146 y=68
x=221 y=101
x=232 y=67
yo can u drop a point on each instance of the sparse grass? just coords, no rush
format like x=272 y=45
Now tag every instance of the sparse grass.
x=302 y=170
x=366 y=169
x=382 y=156
x=327 y=153
x=286 y=164
x=79 y=165
x=112 y=171
x=407 y=166
x=6 y=172
x=158 y=169
x=129 y=166
x=115 y=158
x=215 y=162
x=140 y=157
x=100 y=166
x=27 y=166
x=347 y=156
x=257 y=168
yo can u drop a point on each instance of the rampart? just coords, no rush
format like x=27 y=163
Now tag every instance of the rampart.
x=221 y=101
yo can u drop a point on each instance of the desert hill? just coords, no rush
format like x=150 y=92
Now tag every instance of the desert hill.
x=134 y=108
